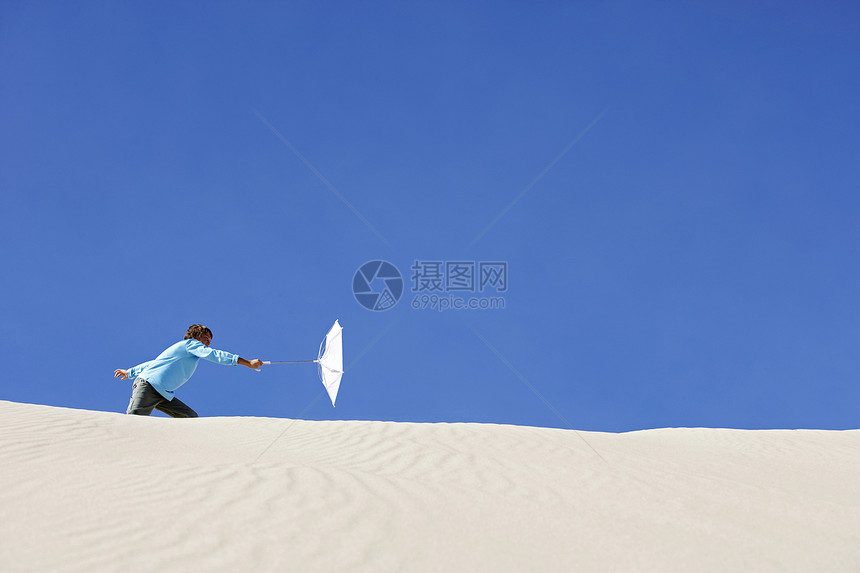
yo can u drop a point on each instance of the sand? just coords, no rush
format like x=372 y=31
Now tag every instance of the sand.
x=97 y=491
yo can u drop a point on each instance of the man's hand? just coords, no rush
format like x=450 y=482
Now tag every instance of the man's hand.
x=252 y=364
x=121 y=374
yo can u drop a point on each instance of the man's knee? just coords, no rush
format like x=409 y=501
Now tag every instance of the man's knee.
x=188 y=413
x=184 y=412
x=177 y=409
x=139 y=411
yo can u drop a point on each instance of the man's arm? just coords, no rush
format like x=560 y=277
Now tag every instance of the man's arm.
x=200 y=350
x=131 y=372
x=252 y=364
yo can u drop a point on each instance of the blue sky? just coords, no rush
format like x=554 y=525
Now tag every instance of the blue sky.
x=678 y=187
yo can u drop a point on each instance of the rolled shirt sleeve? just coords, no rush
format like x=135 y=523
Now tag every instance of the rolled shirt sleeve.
x=200 y=350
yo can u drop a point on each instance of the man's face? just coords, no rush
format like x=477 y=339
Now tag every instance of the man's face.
x=205 y=338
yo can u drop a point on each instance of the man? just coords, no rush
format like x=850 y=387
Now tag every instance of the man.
x=155 y=381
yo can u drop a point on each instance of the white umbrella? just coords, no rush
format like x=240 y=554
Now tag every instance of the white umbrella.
x=330 y=360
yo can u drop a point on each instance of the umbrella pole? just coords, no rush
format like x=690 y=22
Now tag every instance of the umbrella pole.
x=288 y=361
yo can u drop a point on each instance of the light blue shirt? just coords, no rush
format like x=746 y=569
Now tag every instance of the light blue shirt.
x=173 y=367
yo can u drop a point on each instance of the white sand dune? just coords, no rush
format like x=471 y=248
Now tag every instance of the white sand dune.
x=95 y=491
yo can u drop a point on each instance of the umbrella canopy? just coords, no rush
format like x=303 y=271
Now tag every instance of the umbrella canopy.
x=330 y=360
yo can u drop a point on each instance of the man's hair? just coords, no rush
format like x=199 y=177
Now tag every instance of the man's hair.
x=196 y=330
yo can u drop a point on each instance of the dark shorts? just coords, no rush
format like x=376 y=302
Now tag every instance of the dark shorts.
x=145 y=399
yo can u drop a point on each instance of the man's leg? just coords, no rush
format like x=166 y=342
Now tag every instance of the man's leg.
x=143 y=398
x=176 y=408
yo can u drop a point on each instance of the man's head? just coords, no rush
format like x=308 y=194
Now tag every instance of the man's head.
x=199 y=332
